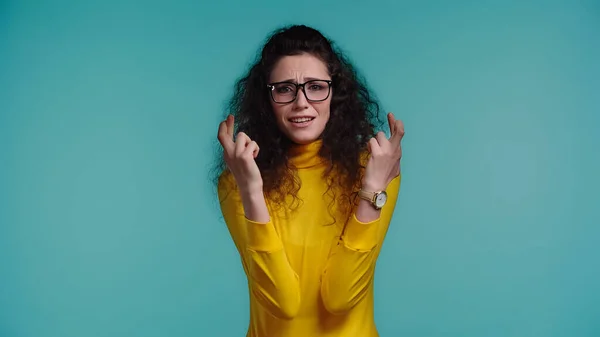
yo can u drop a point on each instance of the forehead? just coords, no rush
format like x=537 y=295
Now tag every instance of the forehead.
x=299 y=67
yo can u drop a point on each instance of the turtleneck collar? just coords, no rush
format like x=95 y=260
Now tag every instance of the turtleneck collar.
x=306 y=155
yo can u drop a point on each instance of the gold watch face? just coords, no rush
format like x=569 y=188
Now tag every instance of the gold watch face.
x=380 y=199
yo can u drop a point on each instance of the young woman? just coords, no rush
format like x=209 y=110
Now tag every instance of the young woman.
x=307 y=188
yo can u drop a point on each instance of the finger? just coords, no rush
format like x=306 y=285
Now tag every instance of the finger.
x=374 y=147
x=399 y=134
x=241 y=142
x=381 y=138
x=255 y=152
x=391 y=122
x=224 y=138
x=252 y=149
x=230 y=124
x=400 y=128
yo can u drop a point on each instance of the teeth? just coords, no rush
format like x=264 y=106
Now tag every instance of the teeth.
x=301 y=120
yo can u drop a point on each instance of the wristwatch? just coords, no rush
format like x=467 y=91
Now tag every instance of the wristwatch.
x=377 y=199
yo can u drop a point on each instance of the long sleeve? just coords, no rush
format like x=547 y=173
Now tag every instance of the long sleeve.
x=350 y=268
x=270 y=277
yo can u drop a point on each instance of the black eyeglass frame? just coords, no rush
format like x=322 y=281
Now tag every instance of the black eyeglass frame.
x=298 y=86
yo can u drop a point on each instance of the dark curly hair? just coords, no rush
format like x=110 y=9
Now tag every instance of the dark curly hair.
x=354 y=116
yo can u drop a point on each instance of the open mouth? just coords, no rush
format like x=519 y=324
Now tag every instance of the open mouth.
x=301 y=120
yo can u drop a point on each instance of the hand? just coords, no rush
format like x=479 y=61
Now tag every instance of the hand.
x=239 y=157
x=384 y=162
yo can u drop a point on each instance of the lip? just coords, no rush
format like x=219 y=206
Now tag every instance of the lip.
x=303 y=124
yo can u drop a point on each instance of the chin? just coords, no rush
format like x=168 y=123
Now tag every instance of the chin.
x=303 y=139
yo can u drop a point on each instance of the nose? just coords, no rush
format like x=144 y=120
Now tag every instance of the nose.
x=300 y=102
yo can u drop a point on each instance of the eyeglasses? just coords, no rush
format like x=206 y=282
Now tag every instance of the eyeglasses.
x=286 y=92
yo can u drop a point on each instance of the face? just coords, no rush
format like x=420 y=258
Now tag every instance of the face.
x=301 y=120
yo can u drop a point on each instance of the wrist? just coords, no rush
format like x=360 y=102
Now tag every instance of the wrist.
x=250 y=197
x=372 y=187
x=366 y=213
x=251 y=190
x=255 y=206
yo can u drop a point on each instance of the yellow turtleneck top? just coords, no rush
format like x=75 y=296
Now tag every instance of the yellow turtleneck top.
x=308 y=276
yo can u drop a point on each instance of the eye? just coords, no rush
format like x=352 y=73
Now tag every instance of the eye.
x=284 y=88
x=315 y=87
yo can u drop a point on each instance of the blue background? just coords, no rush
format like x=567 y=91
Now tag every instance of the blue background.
x=108 y=117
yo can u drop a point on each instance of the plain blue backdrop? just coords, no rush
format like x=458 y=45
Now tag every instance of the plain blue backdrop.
x=108 y=117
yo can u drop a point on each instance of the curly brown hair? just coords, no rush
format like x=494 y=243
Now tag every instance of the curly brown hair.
x=354 y=115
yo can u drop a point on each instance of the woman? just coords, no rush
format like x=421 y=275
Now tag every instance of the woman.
x=307 y=190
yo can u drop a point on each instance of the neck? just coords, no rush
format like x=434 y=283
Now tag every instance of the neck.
x=306 y=155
